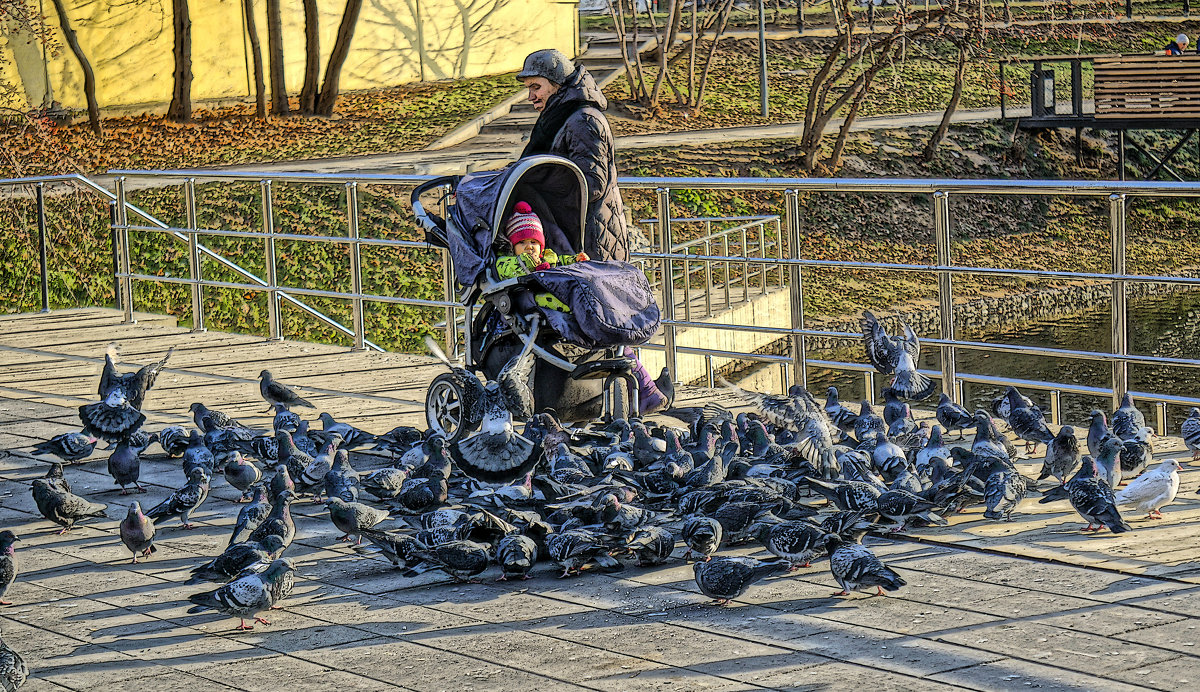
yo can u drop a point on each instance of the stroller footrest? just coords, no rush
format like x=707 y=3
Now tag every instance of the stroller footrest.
x=600 y=369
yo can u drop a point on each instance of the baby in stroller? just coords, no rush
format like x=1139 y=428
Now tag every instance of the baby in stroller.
x=530 y=254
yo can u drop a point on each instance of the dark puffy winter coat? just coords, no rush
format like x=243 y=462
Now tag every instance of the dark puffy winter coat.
x=587 y=140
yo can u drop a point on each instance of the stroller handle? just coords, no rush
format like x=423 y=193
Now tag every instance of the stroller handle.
x=415 y=198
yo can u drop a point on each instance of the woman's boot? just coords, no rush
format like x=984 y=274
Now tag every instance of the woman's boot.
x=653 y=395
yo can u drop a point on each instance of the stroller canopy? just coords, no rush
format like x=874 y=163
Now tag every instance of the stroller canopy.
x=553 y=186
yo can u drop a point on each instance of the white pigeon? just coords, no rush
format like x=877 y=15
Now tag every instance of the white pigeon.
x=1153 y=489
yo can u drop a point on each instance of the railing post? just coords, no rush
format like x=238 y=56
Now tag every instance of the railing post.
x=116 y=253
x=274 y=318
x=42 y=245
x=359 y=324
x=126 y=289
x=869 y=386
x=195 y=268
x=1120 y=329
x=941 y=232
x=668 y=294
x=796 y=287
x=1055 y=407
x=1160 y=418
x=708 y=284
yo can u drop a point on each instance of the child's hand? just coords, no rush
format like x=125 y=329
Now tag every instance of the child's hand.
x=540 y=267
x=582 y=257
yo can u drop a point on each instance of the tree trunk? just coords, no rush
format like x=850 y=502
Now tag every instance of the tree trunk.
x=940 y=133
x=312 y=58
x=89 y=78
x=337 y=58
x=260 y=89
x=279 y=98
x=180 y=109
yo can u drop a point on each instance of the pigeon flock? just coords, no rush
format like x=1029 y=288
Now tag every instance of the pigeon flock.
x=806 y=480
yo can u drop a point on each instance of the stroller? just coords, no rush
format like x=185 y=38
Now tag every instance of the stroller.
x=579 y=372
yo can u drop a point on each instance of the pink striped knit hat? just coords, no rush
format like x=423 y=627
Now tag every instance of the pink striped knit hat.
x=523 y=225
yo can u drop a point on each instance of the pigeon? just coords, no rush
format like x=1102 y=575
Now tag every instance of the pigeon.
x=575 y=548
x=896 y=355
x=173 y=440
x=496 y=453
x=1062 y=456
x=278 y=522
x=236 y=558
x=137 y=532
x=352 y=517
x=183 y=501
x=1027 y=421
x=516 y=553
x=1108 y=464
x=514 y=379
x=281 y=481
x=275 y=393
x=284 y=419
x=459 y=559
x=1152 y=490
x=118 y=413
x=1189 y=430
x=70 y=447
x=893 y=408
x=13 y=671
x=384 y=483
x=851 y=496
x=1091 y=497
x=125 y=463
x=198 y=456
x=351 y=436
x=842 y=417
x=209 y=420
x=399 y=548
x=868 y=424
x=342 y=480
x=1097 y=431
x=248 y=595
x=652 y=545
x=241 y=474
x=856 y=568
x=726 y=578
x=62 y=507
x=1003 y=491
x=56 y=479
x=8 y=563
x=935 y=448
x=901 y=506
x=1127 y=419
x=1136 y=453
x=702 y=535
x=798 y=542
x=952 y=416
x=398 y=440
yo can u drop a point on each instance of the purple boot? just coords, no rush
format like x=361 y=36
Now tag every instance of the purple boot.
x=653 y=395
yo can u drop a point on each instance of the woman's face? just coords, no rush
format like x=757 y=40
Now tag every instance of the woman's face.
x=540 y=89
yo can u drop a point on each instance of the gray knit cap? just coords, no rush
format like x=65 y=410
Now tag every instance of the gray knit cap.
x=549 y=63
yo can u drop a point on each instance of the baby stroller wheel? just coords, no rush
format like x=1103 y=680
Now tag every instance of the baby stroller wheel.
x=444 y=408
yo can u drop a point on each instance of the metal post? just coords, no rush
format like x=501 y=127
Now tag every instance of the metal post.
x=451 y=314
x=274 y=318
x=194 y=266
x=941 y=233
x=1003 y=95
x=126 y=289
x=869 y=385
x=668 y=295
x=1160 y=417
x=356 y=302
x=1120 y=329
x=708 y=369
x=1055 y=406
x=116 y=253
x=687 y=286
x=779 y=249
x=708 y=286
x=1121 y=155
x=725 y=253
x=791 y=209
x=745 y=269
x=42 y=245
x=762 y=57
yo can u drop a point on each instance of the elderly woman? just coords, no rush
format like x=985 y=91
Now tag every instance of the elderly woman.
x=571 y=124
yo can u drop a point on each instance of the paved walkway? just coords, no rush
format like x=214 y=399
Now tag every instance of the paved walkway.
x=983 y=618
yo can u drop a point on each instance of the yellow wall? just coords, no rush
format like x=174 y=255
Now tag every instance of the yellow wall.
x=396 y=42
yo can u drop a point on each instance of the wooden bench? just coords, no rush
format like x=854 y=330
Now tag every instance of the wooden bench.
x=1147 y=86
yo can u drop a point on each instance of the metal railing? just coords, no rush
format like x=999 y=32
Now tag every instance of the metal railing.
x=940 y=192
x=748 y=235
x=669 y=256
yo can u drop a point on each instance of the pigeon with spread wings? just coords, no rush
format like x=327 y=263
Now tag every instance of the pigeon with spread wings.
x=896 y=355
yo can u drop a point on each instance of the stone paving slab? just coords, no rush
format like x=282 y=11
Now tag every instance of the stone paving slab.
x=977 y=613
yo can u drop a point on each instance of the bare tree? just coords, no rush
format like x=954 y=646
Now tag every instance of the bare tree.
x=312 y=58
x=180 y=109
x=939 y=134
x=337 y=58
x=260 y=90
x=279 y=97
x=89 y=77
